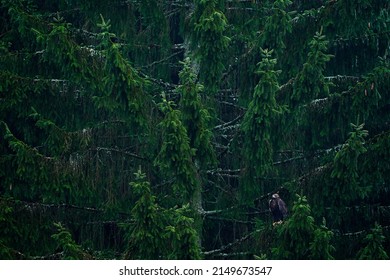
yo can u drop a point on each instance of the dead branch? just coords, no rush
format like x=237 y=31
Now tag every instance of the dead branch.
x=232 y=244
x=98 y=149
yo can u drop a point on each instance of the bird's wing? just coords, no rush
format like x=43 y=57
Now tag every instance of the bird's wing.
x=272 y=205
x=282 y=207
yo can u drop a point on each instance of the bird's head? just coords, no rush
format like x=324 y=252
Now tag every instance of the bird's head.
x=275 y=196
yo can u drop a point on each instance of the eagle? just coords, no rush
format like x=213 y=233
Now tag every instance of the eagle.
x=278 y=209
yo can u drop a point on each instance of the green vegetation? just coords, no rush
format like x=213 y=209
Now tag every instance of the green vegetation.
x=159 y=129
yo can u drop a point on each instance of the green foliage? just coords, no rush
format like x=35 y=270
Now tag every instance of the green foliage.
x=183 y=237
x=310 y=82
x=8 y=228
x=80 y=111
x=256 y=126
x=175 y=155
x=159 y=233
x=345 y=170
x=261 y=257
x=195 y=116
x=153 y=34
x=24 y=161
x=61 y=50
x=277 y=25
x=300 y=238
x=152 y=15
x=121 y=85
x=353 y=16
x=49 y=75
x=374 y=245
x=145 y=240
x=321 y=248
x=209 y=24
x=343 y=182
x=296 y=234
x=58 y=139
x=70 y=250
x=368 y=93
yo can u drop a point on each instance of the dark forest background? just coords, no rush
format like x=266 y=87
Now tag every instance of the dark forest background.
x=159 y=129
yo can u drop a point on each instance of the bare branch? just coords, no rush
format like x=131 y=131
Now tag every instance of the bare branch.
x=32 y=205
x=98 y=149
x=232 y=244
x=225 y=255
x=229 y=124
x=162 y=60
x=342 y=78
x=288 y=160
x=213 y=212
x=358 y=233
x=230 y=220
x=159 y=82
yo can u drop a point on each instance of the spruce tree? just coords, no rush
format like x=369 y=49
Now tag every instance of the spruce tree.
x=210 y=41
x=300 y=238
x=256 y=126
x=175 y=156
x=195 y=116
x=373 y=249
x=159 y=233
x=81 y=111
x=310 y=83
x=295 y=235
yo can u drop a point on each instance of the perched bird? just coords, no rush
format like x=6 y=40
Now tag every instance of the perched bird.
x=278 y=209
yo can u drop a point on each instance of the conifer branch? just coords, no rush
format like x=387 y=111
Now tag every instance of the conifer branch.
x=219 y=211
x=168 y=86
x=227 y=255
x=98 y=149
x=232 y=105
x=288 y=160
x=230 y=245
x=229 y=124
x=22 y=256
x=342 y=78
x=229 y=220
x=14 y=251
x=357 y=233
x=162 y=60
x=33 y=205
x=242 y=9
x=55 y=256
x=219 y=170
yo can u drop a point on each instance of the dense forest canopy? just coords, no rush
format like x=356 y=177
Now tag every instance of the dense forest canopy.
x=160 y=129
